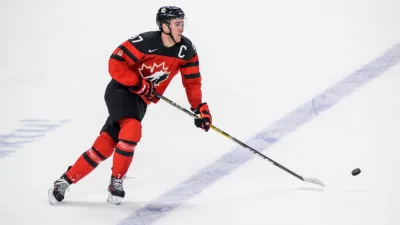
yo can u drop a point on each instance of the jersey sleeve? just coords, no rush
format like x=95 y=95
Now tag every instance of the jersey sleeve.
x=121 y=61
x=191 y=79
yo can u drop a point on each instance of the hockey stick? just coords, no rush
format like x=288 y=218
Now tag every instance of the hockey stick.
x=305 y=179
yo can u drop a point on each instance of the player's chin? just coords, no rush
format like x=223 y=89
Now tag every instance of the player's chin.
x=178 y=38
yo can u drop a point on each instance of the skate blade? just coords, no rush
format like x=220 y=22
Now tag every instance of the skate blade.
x=52 y=199
x=114 y=199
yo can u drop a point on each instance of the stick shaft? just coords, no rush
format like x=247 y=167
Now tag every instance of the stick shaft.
x=231 y=137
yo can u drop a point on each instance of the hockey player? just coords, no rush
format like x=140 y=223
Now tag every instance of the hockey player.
x=139 y=66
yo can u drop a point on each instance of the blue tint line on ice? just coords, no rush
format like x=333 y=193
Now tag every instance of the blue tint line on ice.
x=22 y=136
x=261 y=141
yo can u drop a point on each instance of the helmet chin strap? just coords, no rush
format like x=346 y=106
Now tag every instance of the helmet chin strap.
x=170 y=34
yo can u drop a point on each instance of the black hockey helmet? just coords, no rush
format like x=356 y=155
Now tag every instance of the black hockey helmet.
x=166 y=13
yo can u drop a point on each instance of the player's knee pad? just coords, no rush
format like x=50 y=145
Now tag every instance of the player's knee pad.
x=131 y=131
x=102 y=148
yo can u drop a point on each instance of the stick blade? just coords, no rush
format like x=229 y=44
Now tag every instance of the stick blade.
x=314 y=181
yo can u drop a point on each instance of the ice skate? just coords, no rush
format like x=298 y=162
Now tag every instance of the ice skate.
x=57 y=192
x=116 y=191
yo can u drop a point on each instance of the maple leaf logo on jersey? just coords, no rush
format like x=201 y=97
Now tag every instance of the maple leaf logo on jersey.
x=158 y=72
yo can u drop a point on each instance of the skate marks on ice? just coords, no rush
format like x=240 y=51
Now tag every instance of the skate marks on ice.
x=29 y=130
x=263 y=140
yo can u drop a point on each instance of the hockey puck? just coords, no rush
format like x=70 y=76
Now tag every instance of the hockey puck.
x=355 y=172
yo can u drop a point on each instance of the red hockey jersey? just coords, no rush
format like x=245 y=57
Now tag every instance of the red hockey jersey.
x=145 y=56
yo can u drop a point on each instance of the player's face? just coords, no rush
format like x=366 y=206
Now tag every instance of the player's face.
x=177 y=26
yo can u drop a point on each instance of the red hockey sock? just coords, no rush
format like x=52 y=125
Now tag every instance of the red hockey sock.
x=129 y=136
x=102 y=149
x=122 y=159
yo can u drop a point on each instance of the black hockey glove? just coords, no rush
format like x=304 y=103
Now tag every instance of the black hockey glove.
x=144 y=88
x=204 y=119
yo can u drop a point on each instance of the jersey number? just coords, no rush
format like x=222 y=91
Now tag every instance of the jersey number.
x=136 y=38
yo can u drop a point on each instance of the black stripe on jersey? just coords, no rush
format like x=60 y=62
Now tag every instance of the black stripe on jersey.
x=124 y=153
x=117 y=57
x=128 y=53
x=89 y=160
x=192 y=76
x=190 y=64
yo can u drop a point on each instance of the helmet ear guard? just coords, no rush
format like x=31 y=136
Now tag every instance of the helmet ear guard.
x=161 y=22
